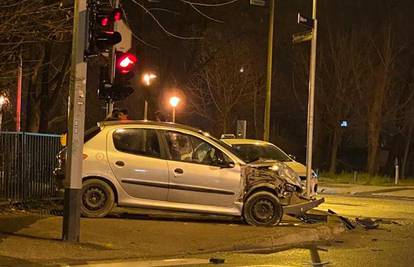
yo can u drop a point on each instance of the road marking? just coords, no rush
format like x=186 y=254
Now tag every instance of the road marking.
x=153 y=263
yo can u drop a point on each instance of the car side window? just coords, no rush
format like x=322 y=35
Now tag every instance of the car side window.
x=143 y=142
x=189 y=148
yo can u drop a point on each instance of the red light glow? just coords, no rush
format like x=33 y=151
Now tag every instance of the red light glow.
x=104 y=21
x=126 y=63
x=117 y=15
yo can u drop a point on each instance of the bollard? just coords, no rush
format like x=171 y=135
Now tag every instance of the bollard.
x=397 y=174
x=355 y=176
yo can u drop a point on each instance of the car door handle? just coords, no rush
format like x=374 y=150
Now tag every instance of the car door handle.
x=178 y=171
x=120 y=163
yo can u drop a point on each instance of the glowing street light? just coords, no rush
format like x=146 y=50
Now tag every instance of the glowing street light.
x=174 y=101
x=3 y=101
x=147 y=78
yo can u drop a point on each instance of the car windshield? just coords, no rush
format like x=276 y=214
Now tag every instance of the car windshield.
x=225 y=145
x=253 y=152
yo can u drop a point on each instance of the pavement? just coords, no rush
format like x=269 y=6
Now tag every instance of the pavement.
x=397 y=191
x=34 y=238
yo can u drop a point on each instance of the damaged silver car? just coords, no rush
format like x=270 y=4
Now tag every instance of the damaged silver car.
x=174 y=167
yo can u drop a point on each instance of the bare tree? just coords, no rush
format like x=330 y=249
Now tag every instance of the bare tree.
x=39 y=31
x=226 y=81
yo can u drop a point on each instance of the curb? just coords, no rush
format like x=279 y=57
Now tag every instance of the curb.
x=320 y=233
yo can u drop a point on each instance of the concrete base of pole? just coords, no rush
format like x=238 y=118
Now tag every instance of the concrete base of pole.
x=71 y=215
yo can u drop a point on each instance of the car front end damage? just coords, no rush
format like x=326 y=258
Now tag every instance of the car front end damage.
x=282 y=181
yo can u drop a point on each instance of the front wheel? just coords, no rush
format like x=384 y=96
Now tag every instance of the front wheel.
x=97 y=198
x=262 y=209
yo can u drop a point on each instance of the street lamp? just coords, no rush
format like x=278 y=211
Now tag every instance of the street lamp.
x=3 y=101
x=174 y=101
x=147 y=79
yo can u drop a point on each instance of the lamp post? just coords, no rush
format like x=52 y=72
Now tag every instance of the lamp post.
x=3 y=101
x=174 y=101
x=147 y=79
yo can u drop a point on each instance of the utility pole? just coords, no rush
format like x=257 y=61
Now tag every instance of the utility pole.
x=268 y=100
x=311 y=101
x=76 y=124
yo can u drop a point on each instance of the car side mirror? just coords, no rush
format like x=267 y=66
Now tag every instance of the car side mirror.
x=226 y=165
x=223 y=163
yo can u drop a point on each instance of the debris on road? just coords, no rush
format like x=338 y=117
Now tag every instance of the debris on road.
x=347 y=222
x=367 y=223
x=216 y=261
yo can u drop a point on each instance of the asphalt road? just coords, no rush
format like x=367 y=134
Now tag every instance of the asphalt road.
x=389 y=245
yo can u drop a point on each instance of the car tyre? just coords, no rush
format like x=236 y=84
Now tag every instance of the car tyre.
x=262 y=209
x=97 y=198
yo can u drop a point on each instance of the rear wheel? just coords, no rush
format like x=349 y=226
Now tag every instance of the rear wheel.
x=97 y=198
x=262 y=209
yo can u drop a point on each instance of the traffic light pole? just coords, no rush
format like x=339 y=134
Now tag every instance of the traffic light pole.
x=311 y=101
x=268 y=100
x=76 y=121
x=110 y=103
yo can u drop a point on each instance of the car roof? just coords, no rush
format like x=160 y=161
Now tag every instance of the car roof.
x=235 y=141
x=152 y=123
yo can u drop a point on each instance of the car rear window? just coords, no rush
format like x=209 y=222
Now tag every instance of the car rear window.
x=142 y=142
x=91 y=133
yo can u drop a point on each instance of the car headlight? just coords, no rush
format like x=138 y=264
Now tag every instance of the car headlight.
x=286 y=173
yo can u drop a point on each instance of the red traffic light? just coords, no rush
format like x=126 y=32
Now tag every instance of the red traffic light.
x=117 y=15
x=105 y=21
x=125 y=62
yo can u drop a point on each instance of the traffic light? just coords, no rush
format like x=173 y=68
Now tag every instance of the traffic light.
x=124 y=71
x=102 y=36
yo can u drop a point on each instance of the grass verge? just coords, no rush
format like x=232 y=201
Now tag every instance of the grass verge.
x=362 y=178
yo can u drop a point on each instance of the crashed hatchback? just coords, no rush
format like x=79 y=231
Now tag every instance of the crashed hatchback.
x=174 y=167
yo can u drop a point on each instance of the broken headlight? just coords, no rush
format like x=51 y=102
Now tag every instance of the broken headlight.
x=286 y=173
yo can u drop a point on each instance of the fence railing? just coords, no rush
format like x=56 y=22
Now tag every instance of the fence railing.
x=26 y=164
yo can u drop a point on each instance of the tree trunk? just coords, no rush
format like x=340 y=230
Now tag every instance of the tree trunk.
x=336 y=140
x=407 y=150
x=374 y=119
x=44 y=92
x=32 y=104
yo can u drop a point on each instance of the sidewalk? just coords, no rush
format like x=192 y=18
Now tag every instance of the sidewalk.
x=354 y=189
x=30 y=240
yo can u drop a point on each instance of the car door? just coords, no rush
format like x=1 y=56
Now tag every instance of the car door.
x=195 y=177
x=137 y=161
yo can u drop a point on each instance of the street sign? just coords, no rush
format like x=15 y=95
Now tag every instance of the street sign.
x=301 y=37
x=258 y=2
x=308 y=22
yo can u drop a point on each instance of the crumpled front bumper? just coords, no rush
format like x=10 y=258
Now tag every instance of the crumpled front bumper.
x=301 y=208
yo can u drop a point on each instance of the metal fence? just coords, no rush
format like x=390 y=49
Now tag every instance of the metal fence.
x=26 y=164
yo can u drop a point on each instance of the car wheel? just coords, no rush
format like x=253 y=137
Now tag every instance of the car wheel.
x=262 y=209
x=97 y=198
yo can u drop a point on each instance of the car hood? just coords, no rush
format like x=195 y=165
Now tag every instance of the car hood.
x=260 y=172
x=299 y=168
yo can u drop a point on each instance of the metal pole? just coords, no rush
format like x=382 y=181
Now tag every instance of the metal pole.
x=146 y=110
x=19 y=92
x=397 y=172
x=311 y=98
x=173 y=115
x=109 y=107
x=76 y=124
x=110 y=104
x=266 y=131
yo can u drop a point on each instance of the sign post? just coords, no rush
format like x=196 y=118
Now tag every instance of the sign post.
x=311 y=99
